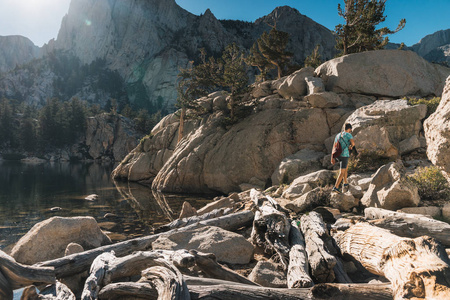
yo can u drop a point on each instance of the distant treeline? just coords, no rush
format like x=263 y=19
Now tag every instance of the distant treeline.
x=25 y=127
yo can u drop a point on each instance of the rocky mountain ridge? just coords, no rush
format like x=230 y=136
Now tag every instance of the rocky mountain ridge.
x=145 y=43
x=16 y=50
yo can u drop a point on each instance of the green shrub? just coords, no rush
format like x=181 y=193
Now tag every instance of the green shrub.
x=367 y=161
x=431 y=183
x=431 y=104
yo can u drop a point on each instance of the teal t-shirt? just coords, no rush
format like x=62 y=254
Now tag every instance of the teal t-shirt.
x=345 y=142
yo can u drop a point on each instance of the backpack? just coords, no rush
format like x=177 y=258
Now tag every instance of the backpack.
x=337 y=150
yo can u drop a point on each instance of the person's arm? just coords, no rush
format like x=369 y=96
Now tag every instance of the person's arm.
x=352 y=144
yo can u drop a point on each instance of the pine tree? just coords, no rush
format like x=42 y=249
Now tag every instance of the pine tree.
x=193 y=83
x=28 y=136
x=359 y=32
x=256 y=59
x=313 y=60
x=272 y=47
x=6 y=123
x=234 y=76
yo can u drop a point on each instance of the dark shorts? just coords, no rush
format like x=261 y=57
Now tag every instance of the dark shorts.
x=343 y=162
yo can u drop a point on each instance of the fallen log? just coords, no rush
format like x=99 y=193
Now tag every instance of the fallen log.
x=6 y=291
x=57 y=291
x=207 y=263
x=168 y=281
x=339 y=272
x=409 y=225
x=354 y=291
x=233 y=292
x=178 y=223
x=135 y=263
x=97 y=274
x=153 y=266
x=128 y=290
x=14 y=275
x=193 y=280
x=225 y=202
x=319 y=257
x=298 y=270
x=270 y=228
x=416 y=267
x=80 y=262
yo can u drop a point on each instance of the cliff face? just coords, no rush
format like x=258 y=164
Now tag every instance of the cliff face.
x=16 y=50
x=146 y=42
x=432 y=42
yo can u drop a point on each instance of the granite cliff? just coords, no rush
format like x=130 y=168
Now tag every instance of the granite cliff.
x=144 y=43
x=16 y=50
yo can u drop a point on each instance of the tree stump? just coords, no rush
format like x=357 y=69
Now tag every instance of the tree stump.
x=270 y=228
x=409 y=225
x=417 y=268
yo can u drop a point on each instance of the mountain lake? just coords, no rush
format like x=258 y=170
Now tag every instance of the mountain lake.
x=30 y=193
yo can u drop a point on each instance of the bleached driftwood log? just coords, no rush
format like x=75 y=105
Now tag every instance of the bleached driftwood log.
x=135 y=263
x=178 y=223
x=168 y=281
x=417 y=268
x=298 y=270
x=155 y=268
x=128 y=290
x=80 y=262
x=97 y=274
x=200 y=288
x=57 y=291
x=409 y=225
x=353 y=291
x=207 y=263
x=319 y=257
x=321 y=291
x=270 y=227
x=14 y=275
x=224 y=202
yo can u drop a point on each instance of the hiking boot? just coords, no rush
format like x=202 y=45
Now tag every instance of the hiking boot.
x=345 y=187
x=336 y=190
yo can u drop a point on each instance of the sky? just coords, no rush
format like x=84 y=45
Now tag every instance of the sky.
x=39 y=20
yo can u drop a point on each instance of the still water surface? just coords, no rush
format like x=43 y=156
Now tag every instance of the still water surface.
x=28 y=192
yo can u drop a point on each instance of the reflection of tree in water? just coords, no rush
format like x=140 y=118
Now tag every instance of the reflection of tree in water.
x=152 y=207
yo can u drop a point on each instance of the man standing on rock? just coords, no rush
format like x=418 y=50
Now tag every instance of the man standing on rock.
x=345 y=138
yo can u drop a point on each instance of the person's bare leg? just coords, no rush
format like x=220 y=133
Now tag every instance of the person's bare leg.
x=340 y=177
x=344 y=177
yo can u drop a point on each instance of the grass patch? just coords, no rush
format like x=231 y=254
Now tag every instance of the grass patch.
x=431 y=183
x=431 y=104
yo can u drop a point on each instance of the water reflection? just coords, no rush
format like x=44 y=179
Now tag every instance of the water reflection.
x=28 y=192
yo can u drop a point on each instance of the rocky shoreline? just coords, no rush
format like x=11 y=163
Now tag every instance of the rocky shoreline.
x=279 y=232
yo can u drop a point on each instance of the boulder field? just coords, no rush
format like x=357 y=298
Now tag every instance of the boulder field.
x=295 y=116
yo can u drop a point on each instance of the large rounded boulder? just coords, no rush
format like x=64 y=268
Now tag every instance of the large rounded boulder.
x=49 y=239
x=213 y=159
x=393 y=73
